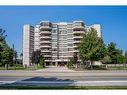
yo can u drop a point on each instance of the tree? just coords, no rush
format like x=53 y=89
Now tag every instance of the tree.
x=70 y=63
x=7 y=56
x=106 y=60
x=121 y=59
x=2 y=41
x=6 y=53
x=35 y=56
x=126 y=56
x=21 y=56
x=92 y=47
x=41 y=61
x=114 y=53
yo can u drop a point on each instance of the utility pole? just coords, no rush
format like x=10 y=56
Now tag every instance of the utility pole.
x=14 y=59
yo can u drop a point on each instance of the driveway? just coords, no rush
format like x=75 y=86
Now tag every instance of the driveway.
x=56 y=69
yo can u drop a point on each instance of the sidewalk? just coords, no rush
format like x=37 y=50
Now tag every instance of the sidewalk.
x=56 y=69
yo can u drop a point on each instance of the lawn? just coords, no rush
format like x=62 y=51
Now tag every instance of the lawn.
x=20 y=68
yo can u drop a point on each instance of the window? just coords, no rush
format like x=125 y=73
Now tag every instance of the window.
x=54 y=31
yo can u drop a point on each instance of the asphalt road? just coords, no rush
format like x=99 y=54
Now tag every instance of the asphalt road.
x=64 y=81
x=63 y=77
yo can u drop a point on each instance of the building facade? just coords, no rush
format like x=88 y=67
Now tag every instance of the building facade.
x=58 y=42
x=28 y=44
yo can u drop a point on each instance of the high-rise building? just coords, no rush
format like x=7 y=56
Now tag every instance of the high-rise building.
x=36 y=38
x=58 y=42
x=28 y=44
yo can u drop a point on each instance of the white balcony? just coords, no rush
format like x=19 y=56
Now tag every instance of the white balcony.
x=45 y=32
x=45 y=46
x=47 y=55
x=75 y=42
x=45 y=51
x=78 y=32
x=47 y=60
x=45 y=42
x=45 y=37
x=77 y=37
x=75 y=46
x=45 y=27
x=78 y=27
x=76 y=51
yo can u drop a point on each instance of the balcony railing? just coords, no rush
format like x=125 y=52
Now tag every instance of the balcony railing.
x=45 y=51
x=78 y=32
x=45 y=37
x=45 y=42
x=45 y=32
x=47 y=56
x=75 y=42
x=45 y=27
x=77 y=37
x=78 y=27
x=45 y=46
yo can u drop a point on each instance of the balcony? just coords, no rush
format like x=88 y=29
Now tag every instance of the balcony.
x=75 y=46
x=44 y=51
x=45 y=32
x=77 y=37
x=48 y=60
x=45 y=27
x=45 y=42
x=47 y=56
x=76 y=51
x=76 y=42
x=45 y=37
x=78 y=32
x=78 y=28
x=45 y=46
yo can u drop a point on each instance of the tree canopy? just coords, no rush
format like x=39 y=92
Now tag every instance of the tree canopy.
x=6 y=53
x=92 y=47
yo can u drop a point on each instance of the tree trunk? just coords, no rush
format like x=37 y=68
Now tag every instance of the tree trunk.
x=91 y=65
x=6 y=66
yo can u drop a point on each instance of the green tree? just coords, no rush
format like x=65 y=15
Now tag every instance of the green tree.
x=36 y=55
x=7 y=56
x=107 y=59
x=6 y=53
x=121 y=59
x=126 y=56
x=2 y=41
x=20 y=60
x=92 y=47
x=70 y=63
x=114 y=53
x=41 y=61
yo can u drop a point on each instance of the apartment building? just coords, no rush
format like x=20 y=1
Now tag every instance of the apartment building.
x=28 y=44
x=58 y=42
x=36 y=38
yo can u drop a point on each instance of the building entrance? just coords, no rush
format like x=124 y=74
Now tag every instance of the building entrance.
x=62 y=63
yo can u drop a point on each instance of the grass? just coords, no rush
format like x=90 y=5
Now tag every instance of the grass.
x=63 y=87
x=117 y=68
x=21 y=68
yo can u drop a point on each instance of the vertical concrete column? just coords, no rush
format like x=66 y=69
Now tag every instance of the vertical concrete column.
x=56 y=63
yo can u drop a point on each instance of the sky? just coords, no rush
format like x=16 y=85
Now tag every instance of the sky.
x=113 y=20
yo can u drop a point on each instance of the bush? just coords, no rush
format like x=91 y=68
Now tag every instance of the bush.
x=70 y=64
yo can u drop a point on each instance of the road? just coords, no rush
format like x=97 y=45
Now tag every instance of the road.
x=63 y=77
